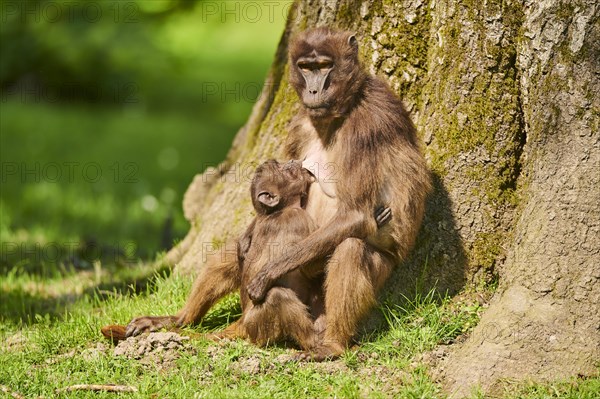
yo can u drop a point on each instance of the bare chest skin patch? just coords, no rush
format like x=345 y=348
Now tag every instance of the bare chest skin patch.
x=317 y=163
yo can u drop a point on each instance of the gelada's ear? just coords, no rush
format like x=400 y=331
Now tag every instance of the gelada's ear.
x=352 y=42
x=268 y=199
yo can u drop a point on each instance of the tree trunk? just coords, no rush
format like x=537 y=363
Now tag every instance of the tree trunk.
x=544 y=321
x=505 y=95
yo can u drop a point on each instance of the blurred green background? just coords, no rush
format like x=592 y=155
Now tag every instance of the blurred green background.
x=108 y=110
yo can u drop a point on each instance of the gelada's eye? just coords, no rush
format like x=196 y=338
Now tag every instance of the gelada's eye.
x=304 y=67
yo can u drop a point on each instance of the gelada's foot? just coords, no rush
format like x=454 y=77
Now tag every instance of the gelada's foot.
x=325 y=351
x=114 y=332
x=149 y=324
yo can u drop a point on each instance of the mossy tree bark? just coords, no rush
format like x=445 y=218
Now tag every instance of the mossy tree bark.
x=505 y=95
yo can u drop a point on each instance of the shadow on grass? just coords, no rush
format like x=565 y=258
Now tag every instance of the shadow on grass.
x=23 y=301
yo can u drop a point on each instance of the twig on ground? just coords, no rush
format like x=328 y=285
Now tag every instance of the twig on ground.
x=98 y=387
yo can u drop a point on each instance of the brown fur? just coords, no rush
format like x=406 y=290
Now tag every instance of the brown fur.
x=286 y=311
x=368 y=139
x=363 y=145
x=279 y=193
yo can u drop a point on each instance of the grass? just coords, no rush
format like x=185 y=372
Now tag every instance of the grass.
x=213 y=376
x=61 y=349
x=107 y=177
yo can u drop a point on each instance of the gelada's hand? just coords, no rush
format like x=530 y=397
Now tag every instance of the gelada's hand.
x=258 y=287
